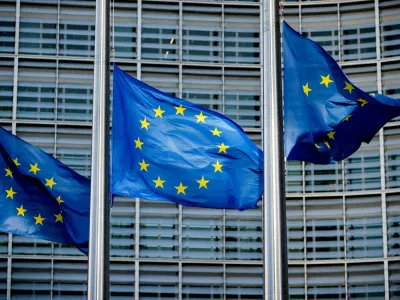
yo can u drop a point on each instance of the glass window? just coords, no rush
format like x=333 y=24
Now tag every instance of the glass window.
x=243 y=234
x=202 y=233
x=7 y=28
x=160 y=31
x=394 y=280
x=75 y=91
x=6 y=87
x=295 y=228
x=69 y=279
x=202 y=32
x=74 y=148
x=364 y=77
x=323 y=178
x=31 y=279
x=164 y=78
x=294 y=176
x=392 y=156
x=241 y=34
x=203 y=86
x=244 y=282
x=203 y=281
x=357 y=22
x=296 y=282
x=123 y=227
x=158 y=281
x=122 y=280
x=242 y=91
x=320 y=23
x=38 y=28
x=326 y=282
x=36 y=94
x=158 y=229
x=391 y=81
x=291 y=14
x=77 y=28
x=365 y=281
x=3 y=243
x=390 y=27
x=364 y=226
x=325 y=228
x=125 y=21
x=393 y=224
x=3 y=277
x=363 y=168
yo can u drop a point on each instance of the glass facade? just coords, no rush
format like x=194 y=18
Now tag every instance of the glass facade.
x=342 y=219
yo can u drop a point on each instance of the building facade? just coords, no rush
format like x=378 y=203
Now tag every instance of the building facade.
x=343 y=219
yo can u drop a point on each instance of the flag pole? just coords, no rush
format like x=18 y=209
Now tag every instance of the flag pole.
x=99 y=241
x=274 y=217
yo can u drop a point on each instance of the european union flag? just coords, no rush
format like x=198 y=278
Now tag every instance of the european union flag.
x=326 y=116
x=41 y=197
x=165 y=148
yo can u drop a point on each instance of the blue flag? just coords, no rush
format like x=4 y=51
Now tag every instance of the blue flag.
x=326 y=116
x=41 y=197
x=165 y=148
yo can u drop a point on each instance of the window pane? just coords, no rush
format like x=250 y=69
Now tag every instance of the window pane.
x=38 y=29
x=241 y=34
x=296 y=282
x=243 y=234
x=244 y=282
x=122 y=280
x=6 y=87
x=390 y=27
x=394 y=280
x=325 y=234
x=160 y=29
x=358 y=31
x=326 y=282
x=202 y=281
x=158 y=229
x=393 y=224
x=158 y=281
x=164 y=78
x=392 y=156
x=36 y=94
x=391 y=81
x=202 y=28
x=125 y=18
x=323 y=178
x=294 y=176
x=295 y=228
x=364 y=226
x=7 y=28
x=366 y=281
x=69 y=279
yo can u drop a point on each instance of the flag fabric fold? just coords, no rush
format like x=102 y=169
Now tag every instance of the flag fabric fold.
x=165 y=148
x=326 y=117
x=42 y=197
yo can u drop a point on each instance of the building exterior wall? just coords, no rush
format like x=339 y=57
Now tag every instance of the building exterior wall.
x=343 y=219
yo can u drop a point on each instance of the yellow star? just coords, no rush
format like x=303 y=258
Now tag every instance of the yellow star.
x=331 y=135
x=59 y=217
x=10 y=193
x=218 y=167
x=145 y=124
x=362 y=101
x=143 y=165
x=34 y=168
x=138 y=143
x=159 y=112
x=15 y=160
x=347 y=118
x=50 y=182
x=348 y=87
x=39 y=220
x=372 y=94
x=222 y=148
x=179 y=110
x=326 y=80
x=216 y=132
x=200 y=117
x=181 y=189
x=202 y=182
x=21 y=211
x=317 y=146
x=8 y=172
x=327 y=145
x=306 y=89
x=59 y=200
x=159 y=182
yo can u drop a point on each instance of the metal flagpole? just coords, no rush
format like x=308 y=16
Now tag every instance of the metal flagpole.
x=99 y=243
x=274 y=219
